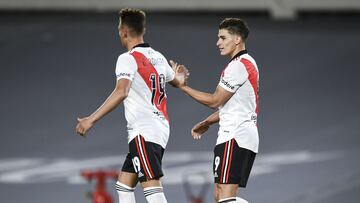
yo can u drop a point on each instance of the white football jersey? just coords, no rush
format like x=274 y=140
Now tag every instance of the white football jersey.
x=238 y=116
x=145 y=106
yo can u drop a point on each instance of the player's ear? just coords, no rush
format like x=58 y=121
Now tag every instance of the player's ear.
x=238 y=39
x=125 y=32
x=144 y=31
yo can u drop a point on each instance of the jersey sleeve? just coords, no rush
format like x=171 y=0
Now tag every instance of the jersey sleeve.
x=170 y=74
x=233 y=77
x=125 y=67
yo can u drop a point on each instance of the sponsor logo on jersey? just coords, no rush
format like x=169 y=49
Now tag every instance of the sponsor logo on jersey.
x=227 y=84
x=123 y=74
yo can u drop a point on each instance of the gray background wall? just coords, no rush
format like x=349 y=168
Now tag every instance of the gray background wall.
x=277 y=8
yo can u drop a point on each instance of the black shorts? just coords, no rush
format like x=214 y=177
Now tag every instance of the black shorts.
x=144 y=158
x=232 y=164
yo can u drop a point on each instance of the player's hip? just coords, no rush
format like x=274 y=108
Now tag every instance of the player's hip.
x=159 y=136
x=247 y=138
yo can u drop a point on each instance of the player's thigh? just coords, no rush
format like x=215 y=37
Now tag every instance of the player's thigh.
x=146 y=159
x=127 y=175
x=151 y=183
x=216 y=192
x=232 y=164
x=129 y=179
x=226 y=190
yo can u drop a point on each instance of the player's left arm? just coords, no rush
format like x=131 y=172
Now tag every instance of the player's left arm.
x=200 y=128
x=218 y=98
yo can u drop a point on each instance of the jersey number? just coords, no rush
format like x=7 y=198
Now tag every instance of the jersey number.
x=155 y=88
x=217 y=162
x=136 y=164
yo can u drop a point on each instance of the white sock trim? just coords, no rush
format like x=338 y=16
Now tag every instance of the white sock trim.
x=123 y=188
x=155 y=187
x=153 y=190
x=241 y=200
x=228 y=199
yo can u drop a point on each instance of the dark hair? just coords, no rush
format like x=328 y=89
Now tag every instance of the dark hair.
x=235 y=26
x=133 y=19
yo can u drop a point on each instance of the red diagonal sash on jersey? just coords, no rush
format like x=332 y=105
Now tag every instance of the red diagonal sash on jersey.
x=253 y=78
x=145 y=69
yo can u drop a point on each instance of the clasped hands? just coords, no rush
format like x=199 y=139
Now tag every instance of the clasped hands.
x=181 y=74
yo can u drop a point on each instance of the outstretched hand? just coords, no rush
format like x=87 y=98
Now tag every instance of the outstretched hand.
x=181 y=74
x=199 y=129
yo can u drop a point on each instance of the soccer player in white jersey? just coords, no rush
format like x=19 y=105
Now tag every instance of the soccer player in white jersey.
x=236 y=98
x=141 y=76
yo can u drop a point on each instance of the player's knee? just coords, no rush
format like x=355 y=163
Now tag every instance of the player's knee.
x=226 y=190
x=151 y=183
x=216 y=197
x=220 y=189
x=216 y=193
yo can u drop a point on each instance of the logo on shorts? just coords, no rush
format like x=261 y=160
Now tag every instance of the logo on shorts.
x=216 y=175
x=140 y=174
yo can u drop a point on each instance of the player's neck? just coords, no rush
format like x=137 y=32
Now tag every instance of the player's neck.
x=238 y=48
x=133 y=42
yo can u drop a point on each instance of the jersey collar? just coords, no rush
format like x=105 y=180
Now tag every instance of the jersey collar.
x=141 y=45
x=239 y=54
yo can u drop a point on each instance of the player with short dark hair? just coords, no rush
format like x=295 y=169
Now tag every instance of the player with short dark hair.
x=236 y=98
x=235 y=26
x=141 y=75
x=134 y=19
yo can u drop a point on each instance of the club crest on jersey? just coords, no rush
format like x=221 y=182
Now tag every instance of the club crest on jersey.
x=159 y=114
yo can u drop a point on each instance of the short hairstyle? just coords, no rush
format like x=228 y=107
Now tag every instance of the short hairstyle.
x=133 y=19
x=235 y=26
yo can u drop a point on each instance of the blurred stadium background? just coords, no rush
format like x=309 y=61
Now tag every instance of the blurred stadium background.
x=57 y=61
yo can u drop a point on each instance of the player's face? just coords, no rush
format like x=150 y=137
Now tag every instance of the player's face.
x=227 y=43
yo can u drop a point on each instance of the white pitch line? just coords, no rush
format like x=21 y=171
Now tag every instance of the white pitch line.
x=175 y=165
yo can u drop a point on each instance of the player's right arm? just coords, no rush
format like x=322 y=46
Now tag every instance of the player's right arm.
x=125 y=70
x=200 y=128
x=180 y=74
x=115 y=98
